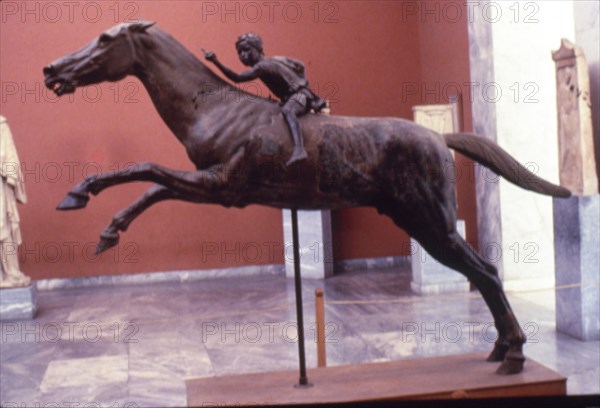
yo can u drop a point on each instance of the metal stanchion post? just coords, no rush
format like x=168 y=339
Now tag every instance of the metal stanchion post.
x=303 y=382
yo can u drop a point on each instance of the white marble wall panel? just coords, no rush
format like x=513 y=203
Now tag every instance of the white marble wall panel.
x=524 y=94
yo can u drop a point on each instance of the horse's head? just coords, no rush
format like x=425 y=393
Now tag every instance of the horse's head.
x=110 y=57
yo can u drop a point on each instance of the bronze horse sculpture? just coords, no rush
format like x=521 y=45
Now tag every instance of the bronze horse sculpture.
x=239 y=145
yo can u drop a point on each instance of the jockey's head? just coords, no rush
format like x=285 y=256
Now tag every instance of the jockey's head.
x=250 y=48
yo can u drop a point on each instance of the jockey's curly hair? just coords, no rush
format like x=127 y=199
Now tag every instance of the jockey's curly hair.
x=251 y=39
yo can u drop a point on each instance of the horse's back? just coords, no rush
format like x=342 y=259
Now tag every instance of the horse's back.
x=377 y=143
x=378 y=158
x=351 y=161
x=385 y=132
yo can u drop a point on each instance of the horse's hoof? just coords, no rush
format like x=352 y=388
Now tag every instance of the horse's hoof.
x=511 y=365
x=107 y=241
x=73 y=201
x=498 y=353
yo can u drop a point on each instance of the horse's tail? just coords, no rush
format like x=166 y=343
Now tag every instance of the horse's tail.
x=491 y=155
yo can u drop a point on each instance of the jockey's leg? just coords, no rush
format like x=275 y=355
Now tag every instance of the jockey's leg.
x=291 y=110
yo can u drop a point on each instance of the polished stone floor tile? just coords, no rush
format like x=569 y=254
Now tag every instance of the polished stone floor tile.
x=89 y=372
x=90 y=348
x=243 y=358
x=138 y=344
x=102 y=395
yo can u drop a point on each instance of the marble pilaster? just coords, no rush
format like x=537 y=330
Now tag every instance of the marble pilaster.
x=18 y=303
x=316 y=247
x=577 y=256
x=576 y=220
x=429 y=277
x=481 y=64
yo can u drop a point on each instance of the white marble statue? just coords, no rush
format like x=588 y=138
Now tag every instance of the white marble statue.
x=12 y=190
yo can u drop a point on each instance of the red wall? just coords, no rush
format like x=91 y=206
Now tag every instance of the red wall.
x=444 y=55
x=358 y=54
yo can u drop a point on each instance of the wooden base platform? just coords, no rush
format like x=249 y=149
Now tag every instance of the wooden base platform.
x=462 y=376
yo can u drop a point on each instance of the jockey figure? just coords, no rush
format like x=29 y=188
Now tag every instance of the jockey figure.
x=284 y=77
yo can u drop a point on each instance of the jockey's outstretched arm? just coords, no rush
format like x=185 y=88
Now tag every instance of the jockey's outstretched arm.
x=245 y=76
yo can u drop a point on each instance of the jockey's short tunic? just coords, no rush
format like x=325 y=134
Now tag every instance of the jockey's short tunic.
x=284 y=76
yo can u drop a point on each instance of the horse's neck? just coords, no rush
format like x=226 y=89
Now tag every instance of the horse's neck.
x=176 y=81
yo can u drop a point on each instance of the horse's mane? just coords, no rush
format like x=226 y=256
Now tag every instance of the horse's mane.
x=189 y=62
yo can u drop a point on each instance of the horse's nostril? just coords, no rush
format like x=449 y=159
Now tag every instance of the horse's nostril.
x=48 y=70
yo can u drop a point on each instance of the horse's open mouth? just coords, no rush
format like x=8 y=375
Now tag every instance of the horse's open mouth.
x=60 y=86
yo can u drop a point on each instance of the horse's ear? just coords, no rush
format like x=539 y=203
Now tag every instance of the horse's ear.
x=141 y=26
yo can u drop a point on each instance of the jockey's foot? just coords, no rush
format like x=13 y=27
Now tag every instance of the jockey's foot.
x=319 y=105
x=299 y=154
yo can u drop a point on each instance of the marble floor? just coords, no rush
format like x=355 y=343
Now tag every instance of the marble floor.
x=134 y=345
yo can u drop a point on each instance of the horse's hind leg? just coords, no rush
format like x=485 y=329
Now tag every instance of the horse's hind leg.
x=452 y=250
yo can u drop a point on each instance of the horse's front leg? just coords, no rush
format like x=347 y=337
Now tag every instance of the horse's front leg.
x=79 y=195
x=201 y=182
x=120 y=222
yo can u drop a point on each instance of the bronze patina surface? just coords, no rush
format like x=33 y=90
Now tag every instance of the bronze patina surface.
x=239 y=144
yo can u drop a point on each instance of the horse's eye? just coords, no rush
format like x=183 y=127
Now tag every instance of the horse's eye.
x=104 y=38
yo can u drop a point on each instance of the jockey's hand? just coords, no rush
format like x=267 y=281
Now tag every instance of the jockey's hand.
x=209 y=55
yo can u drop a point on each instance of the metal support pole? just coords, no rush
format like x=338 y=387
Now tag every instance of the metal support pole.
x=303 y=382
